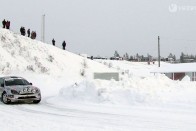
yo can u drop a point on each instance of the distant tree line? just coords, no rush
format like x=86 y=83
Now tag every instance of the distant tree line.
x=184 y=58
x=128 y=57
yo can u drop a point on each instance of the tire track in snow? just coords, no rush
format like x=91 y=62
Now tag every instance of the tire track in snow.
x=101 y=118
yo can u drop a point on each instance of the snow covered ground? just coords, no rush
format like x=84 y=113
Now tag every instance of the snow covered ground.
x=140 y=101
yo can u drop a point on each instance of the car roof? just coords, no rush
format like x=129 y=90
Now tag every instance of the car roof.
x=12 y=77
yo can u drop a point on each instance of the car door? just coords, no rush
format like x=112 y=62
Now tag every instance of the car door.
x=1 y=88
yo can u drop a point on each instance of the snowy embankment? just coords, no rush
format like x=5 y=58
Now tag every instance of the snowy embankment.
x=56 y=68
x=21 y=54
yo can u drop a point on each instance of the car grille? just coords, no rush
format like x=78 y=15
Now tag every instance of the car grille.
x=26 y=94
x=26 y=97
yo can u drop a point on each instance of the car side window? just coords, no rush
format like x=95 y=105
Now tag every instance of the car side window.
x=1 y=81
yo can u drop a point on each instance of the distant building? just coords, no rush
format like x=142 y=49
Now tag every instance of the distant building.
x=170 y=60
x=178 y=71
x=99 y=57
x=116 y=58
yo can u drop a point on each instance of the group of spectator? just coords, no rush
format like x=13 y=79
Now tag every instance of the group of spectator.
x=63 y=44
x=29 y=33
x=6 y=24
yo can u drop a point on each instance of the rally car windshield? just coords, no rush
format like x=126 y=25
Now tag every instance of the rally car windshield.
x=13 y=82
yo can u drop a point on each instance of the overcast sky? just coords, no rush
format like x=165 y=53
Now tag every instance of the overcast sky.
x=99 y=27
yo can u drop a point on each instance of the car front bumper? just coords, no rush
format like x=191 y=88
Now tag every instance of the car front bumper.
x=27 y=97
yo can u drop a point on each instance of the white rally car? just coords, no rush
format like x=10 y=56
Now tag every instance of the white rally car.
x=16 y=89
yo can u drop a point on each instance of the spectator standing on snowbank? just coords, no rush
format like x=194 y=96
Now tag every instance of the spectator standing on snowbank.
x=64 y=45
x=22 y=31
x=33 y=35
x=7 y=24
x=4 y=23
x=53 y=42
x=28 y=32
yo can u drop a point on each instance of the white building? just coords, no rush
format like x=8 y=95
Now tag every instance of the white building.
x=178 y=71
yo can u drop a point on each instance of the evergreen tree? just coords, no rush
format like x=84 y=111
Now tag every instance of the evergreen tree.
x=182 y=58
x=116 y=54
x=174 y=57
x=126 y=56
x=131 y=58
x=149 y=57
x=137 y=57
x=170 y=55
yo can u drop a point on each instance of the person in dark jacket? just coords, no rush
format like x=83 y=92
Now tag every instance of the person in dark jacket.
x=64 y=45
x=4 y=23
x=22 y=31
x=33 y=35
x=53 y=42
x=7 y=25
x=28 y=32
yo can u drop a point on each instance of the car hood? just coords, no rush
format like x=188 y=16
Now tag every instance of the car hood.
x=21 y=87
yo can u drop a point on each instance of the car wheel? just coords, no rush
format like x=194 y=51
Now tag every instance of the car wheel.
x=36 y=101
x=4 y=98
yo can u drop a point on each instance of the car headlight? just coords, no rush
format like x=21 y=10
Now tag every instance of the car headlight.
x=25 y=90
x=33 y=91
x=14 y=92
x=28 y=89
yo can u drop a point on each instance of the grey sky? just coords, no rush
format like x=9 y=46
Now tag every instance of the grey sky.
x=99 y=27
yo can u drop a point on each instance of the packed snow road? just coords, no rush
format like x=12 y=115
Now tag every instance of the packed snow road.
x=48 y=116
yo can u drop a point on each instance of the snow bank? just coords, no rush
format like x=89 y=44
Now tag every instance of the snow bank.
x=151 y=90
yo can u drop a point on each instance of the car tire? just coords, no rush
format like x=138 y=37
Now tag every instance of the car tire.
x=4 y=98
x=36 y=101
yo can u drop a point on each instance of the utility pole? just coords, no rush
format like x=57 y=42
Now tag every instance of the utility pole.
x=159 y=50
x=43 y=28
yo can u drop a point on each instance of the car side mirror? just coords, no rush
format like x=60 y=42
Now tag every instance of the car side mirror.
x=30 y=83
x=2 y=85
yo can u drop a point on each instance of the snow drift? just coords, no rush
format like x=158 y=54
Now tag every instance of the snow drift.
x=152 y=90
